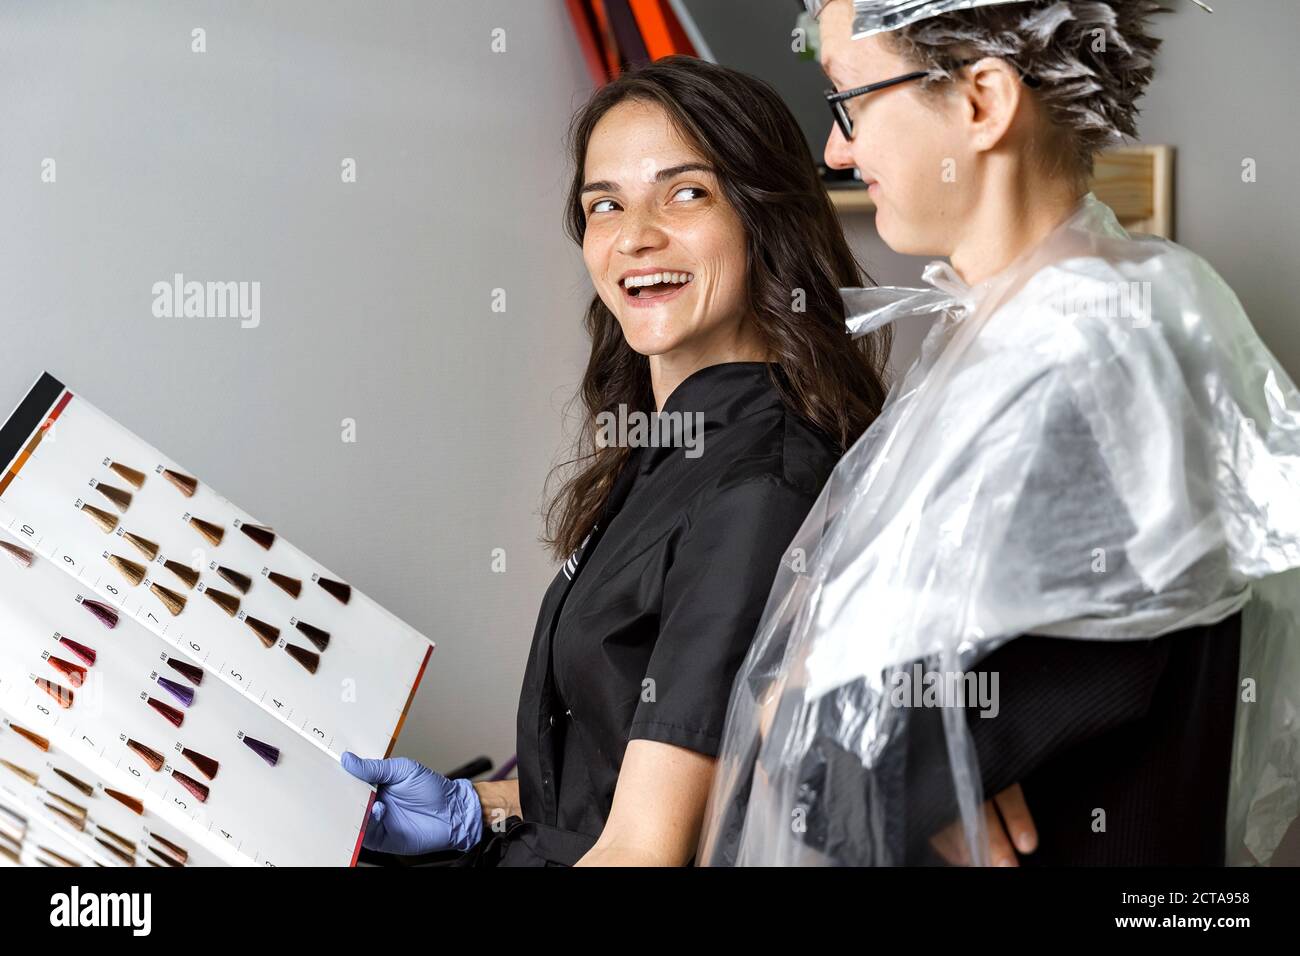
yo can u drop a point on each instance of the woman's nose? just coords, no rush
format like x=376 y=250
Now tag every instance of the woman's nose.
x=838 y=153
x=640 y=231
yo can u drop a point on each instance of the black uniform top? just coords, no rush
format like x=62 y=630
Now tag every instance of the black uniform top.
x=642 y=631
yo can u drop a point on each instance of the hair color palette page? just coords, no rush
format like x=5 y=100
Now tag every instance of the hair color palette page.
x=182 y=651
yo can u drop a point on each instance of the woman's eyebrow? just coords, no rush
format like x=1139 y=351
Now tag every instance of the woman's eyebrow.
x=672 y=171
x=606 y=186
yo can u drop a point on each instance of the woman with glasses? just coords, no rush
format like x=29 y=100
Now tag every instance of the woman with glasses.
x=1059 y=569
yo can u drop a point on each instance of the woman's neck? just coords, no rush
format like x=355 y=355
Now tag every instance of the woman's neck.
x=1015 y=212
x=670 y=369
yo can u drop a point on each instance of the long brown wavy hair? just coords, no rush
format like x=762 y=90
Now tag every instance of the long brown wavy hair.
x=752 y=141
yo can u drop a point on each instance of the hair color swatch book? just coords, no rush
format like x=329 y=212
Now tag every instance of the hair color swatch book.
x=60 y=808
x=164 y=736
x=139 y=550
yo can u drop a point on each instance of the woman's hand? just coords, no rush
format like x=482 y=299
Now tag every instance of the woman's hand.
x=418 y=810
x=1008 y=827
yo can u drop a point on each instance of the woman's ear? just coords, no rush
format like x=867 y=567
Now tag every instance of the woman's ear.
x=993 y=92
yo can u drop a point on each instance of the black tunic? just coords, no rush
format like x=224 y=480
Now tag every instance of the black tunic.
x=641 y=633
x=1140 y=730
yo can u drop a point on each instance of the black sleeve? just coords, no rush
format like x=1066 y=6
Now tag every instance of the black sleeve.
x=1053 y=695
x=714 y=595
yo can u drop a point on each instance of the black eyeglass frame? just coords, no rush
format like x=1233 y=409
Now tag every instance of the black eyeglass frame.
x=835 y=100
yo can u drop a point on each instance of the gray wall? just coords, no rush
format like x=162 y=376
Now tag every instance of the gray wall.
x=375 y=296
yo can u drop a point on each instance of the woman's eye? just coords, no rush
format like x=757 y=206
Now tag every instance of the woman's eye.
x=687 y=193
x=603 y=205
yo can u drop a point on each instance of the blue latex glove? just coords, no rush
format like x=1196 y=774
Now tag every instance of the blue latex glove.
x=418 y=810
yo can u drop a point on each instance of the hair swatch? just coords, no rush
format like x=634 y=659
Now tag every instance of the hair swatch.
x=259 y=533
x=69 y=805
x=120 y=497
x=36 y=740
x=21 y=556
x=183 y=571
x=62 y=696
x=87 y=654
x=77 y=782
x=143 y=545
x=103 y=613
x=241 y=582
x=63 y=860
x=212 y=532
x=150 y=756
x=184 y=483
x=126 y=844
x=107 y=522
x=314 y=634
x=199 y=790
x=133 y=571
x=23 y=772
x=183 y=693
x=132 y=803
x=337 y=588
x=76 y=822
x=267 y=633
x=171 y=600
x=227 y=602
x=174 y=716
x=191 y=673
x=180 y=852
x=290 y=586
x=207 y=766
x=117 y=851
x=75 y=673
x=136 y=478
x=167 y=860
x=268 y=753
x=308 y=659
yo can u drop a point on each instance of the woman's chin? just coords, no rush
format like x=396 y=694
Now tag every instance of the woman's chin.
x=650 y=335
x=901 y=237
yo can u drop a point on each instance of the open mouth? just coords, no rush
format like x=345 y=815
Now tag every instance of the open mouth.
x=657 y=285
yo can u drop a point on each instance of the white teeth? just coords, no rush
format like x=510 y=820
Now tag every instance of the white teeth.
x=677 y=278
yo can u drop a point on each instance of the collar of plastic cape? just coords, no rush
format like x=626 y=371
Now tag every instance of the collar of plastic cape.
x=881 y=16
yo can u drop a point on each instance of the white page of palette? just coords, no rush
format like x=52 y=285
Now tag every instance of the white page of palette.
x=306 y=810
x=42 y=839
x=367 y=675
x=103 y=813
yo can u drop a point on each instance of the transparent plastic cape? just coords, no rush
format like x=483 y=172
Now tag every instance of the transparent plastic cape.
x=1092 y=444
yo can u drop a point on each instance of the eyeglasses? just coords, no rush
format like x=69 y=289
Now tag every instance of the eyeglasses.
x=836 y=100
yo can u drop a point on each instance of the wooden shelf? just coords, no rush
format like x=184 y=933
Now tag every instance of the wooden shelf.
x=1135 y=181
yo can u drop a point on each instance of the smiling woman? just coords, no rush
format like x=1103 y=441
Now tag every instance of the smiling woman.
x=715 y=259
x=687 y=168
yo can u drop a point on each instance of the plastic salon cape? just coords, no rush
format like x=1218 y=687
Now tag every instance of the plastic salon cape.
x=968 y=515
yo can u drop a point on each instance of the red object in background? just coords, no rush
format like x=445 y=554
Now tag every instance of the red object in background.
x=584 y=24
x=658 y=26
